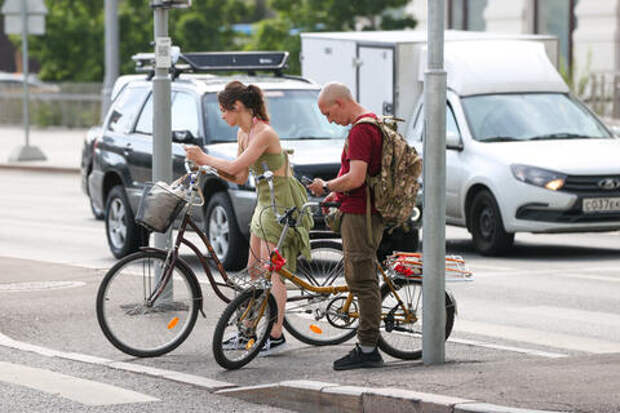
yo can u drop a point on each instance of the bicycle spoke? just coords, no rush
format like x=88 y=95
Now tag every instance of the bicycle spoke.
x=133 y=318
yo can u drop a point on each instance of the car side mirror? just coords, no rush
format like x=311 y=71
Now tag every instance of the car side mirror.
x=185 y=137
x=453 y=141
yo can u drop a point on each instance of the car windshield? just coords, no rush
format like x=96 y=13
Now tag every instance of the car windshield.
x=530 y=116
x=294 y=115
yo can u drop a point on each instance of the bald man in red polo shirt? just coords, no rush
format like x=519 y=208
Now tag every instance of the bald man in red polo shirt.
x=360 y=156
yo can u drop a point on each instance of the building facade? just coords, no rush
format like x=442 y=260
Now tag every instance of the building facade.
x=589 y=30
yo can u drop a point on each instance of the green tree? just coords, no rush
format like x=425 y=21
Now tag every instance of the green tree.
x=335 y=15
x=73 y=37
x=293 y=16
x=73 y=45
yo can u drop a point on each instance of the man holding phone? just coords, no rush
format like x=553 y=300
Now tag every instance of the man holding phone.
x=361 y=155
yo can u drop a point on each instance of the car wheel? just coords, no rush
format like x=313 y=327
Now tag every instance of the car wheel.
x=223 y=232
x=398 y=240
x=487 y=229
x=124 y=235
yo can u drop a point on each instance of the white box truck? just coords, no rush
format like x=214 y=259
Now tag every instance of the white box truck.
x=383 y=68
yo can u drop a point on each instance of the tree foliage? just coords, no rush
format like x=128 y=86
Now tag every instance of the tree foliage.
x=72 y=47
x=293 y=16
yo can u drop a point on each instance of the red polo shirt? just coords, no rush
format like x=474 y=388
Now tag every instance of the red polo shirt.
x=364 y=145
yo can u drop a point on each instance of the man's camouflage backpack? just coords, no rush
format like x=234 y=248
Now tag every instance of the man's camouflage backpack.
x=395 y=187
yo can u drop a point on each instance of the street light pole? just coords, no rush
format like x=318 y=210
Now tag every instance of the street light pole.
x=162 y=134
x=25 y=71
x=25 y=17
x=111 y=54
x=433 y=284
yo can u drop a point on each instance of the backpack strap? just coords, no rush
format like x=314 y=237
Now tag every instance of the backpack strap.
x=372 y=121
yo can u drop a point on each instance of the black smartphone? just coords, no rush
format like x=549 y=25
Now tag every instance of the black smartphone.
x=306 y=181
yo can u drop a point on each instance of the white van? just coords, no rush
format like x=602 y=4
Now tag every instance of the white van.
x=523 y=154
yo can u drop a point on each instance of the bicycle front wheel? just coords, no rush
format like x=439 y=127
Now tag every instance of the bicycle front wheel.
x=316 y=319
x=132 y=320
x=243 y=328
x=401 y=334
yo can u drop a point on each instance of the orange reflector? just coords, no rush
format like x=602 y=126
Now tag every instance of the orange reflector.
x=249 y=344
x=316 y=329
x=172 y=324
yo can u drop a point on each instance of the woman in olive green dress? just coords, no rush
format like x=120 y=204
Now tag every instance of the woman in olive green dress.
x=258 y=144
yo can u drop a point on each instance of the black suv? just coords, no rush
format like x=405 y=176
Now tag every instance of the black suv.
x=117 y=156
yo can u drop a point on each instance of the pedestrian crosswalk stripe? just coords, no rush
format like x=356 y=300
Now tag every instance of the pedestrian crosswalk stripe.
x=87 y=392
x=539 y=337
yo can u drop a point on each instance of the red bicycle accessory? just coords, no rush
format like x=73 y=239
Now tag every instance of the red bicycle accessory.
x=401 y=269
x=277 y=261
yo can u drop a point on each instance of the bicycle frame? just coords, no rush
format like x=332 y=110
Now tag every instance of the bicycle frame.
x=330 y=290
x=173 y=254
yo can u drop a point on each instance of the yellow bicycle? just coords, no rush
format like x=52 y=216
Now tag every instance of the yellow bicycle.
x=321 y=313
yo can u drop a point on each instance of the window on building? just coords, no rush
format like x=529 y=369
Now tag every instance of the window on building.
x=557 y=17
x=466 y=14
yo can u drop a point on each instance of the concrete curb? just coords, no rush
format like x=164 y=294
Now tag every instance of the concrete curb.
x=39 y=168
x=310 y=396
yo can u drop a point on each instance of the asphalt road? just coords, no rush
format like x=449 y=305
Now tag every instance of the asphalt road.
x=553 y=296
x=555 y=293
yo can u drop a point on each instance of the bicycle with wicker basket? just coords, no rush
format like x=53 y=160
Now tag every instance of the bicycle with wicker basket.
x=148 y=302
x=328 y=314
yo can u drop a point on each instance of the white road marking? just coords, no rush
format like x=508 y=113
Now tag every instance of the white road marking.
x=507 y=348
x=39 y=285
x=571 y=315
x=593 y=277
x=539 y=337
x=87 y=392
x=202 y=382
x=586 y=274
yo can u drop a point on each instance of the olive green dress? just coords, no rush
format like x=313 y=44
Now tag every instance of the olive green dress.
x=288 y=192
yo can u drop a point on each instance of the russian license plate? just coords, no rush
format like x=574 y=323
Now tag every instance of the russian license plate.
x=591 y=205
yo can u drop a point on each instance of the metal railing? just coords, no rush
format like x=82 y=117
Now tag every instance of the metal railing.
x=602 y=93
x=73 y=105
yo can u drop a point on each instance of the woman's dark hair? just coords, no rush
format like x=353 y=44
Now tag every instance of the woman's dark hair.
x=251 y=96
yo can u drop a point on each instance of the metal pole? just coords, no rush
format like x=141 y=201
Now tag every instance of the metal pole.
x=434 y=242
x=111 y=54
x=162 y=135
x=26 y=152
x=25 y=71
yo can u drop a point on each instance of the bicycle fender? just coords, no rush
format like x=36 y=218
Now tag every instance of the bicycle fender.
x=192 y=279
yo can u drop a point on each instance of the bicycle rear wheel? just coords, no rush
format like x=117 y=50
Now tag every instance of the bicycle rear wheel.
x=318 y=319
x=133 y=324
x=243 y=328
x=401 y=337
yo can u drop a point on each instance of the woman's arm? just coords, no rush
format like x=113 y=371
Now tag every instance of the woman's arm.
x=240 y=166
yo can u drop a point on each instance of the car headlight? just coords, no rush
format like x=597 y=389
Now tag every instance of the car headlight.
x=537 y=176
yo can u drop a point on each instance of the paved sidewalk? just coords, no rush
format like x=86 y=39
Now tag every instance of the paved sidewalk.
x=62 y=147
x=473 y=379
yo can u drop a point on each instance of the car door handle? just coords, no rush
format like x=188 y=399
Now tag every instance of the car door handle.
x=128 y=148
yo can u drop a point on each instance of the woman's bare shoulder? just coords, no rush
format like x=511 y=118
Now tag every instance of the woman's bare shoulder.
x=266 y=132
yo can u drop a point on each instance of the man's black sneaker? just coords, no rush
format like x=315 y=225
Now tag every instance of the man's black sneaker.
x=273 y=346
x=357 y=359
x=237 y=342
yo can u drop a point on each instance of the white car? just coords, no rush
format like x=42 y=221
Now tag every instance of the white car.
x=523 y=155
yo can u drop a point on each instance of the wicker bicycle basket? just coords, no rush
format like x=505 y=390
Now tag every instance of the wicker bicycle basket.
x=159 y=206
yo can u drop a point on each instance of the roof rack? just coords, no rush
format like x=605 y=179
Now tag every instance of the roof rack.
x=201 y=62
